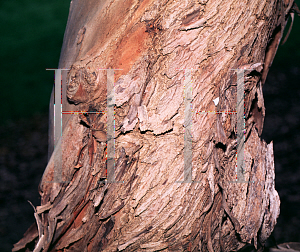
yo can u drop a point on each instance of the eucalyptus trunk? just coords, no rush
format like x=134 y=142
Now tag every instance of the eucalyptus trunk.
x=174 y=74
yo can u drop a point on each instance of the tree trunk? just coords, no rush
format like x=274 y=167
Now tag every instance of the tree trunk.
x=156 y=44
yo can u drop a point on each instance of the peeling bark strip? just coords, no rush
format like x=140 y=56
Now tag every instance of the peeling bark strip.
x=188 y=154
x=240 y=126
x=110 y=127
x=150 y=40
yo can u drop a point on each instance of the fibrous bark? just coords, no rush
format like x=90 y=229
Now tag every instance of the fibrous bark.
x=152 y=42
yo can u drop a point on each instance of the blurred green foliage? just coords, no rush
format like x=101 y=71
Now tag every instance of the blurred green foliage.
x=31 y=38
x=289 y=54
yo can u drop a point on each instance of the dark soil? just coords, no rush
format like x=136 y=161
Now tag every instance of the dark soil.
x=282 y=125
x=23 y=158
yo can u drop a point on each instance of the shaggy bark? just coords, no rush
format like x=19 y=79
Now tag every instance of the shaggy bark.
x=152 y=41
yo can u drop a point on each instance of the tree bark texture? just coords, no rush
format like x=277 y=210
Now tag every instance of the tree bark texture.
x=152 y=41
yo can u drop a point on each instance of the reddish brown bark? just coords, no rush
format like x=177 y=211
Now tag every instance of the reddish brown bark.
x=151 y=41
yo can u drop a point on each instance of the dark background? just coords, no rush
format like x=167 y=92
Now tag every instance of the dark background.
x=30 y=41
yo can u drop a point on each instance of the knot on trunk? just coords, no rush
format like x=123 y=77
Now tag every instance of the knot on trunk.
x=81 y=84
